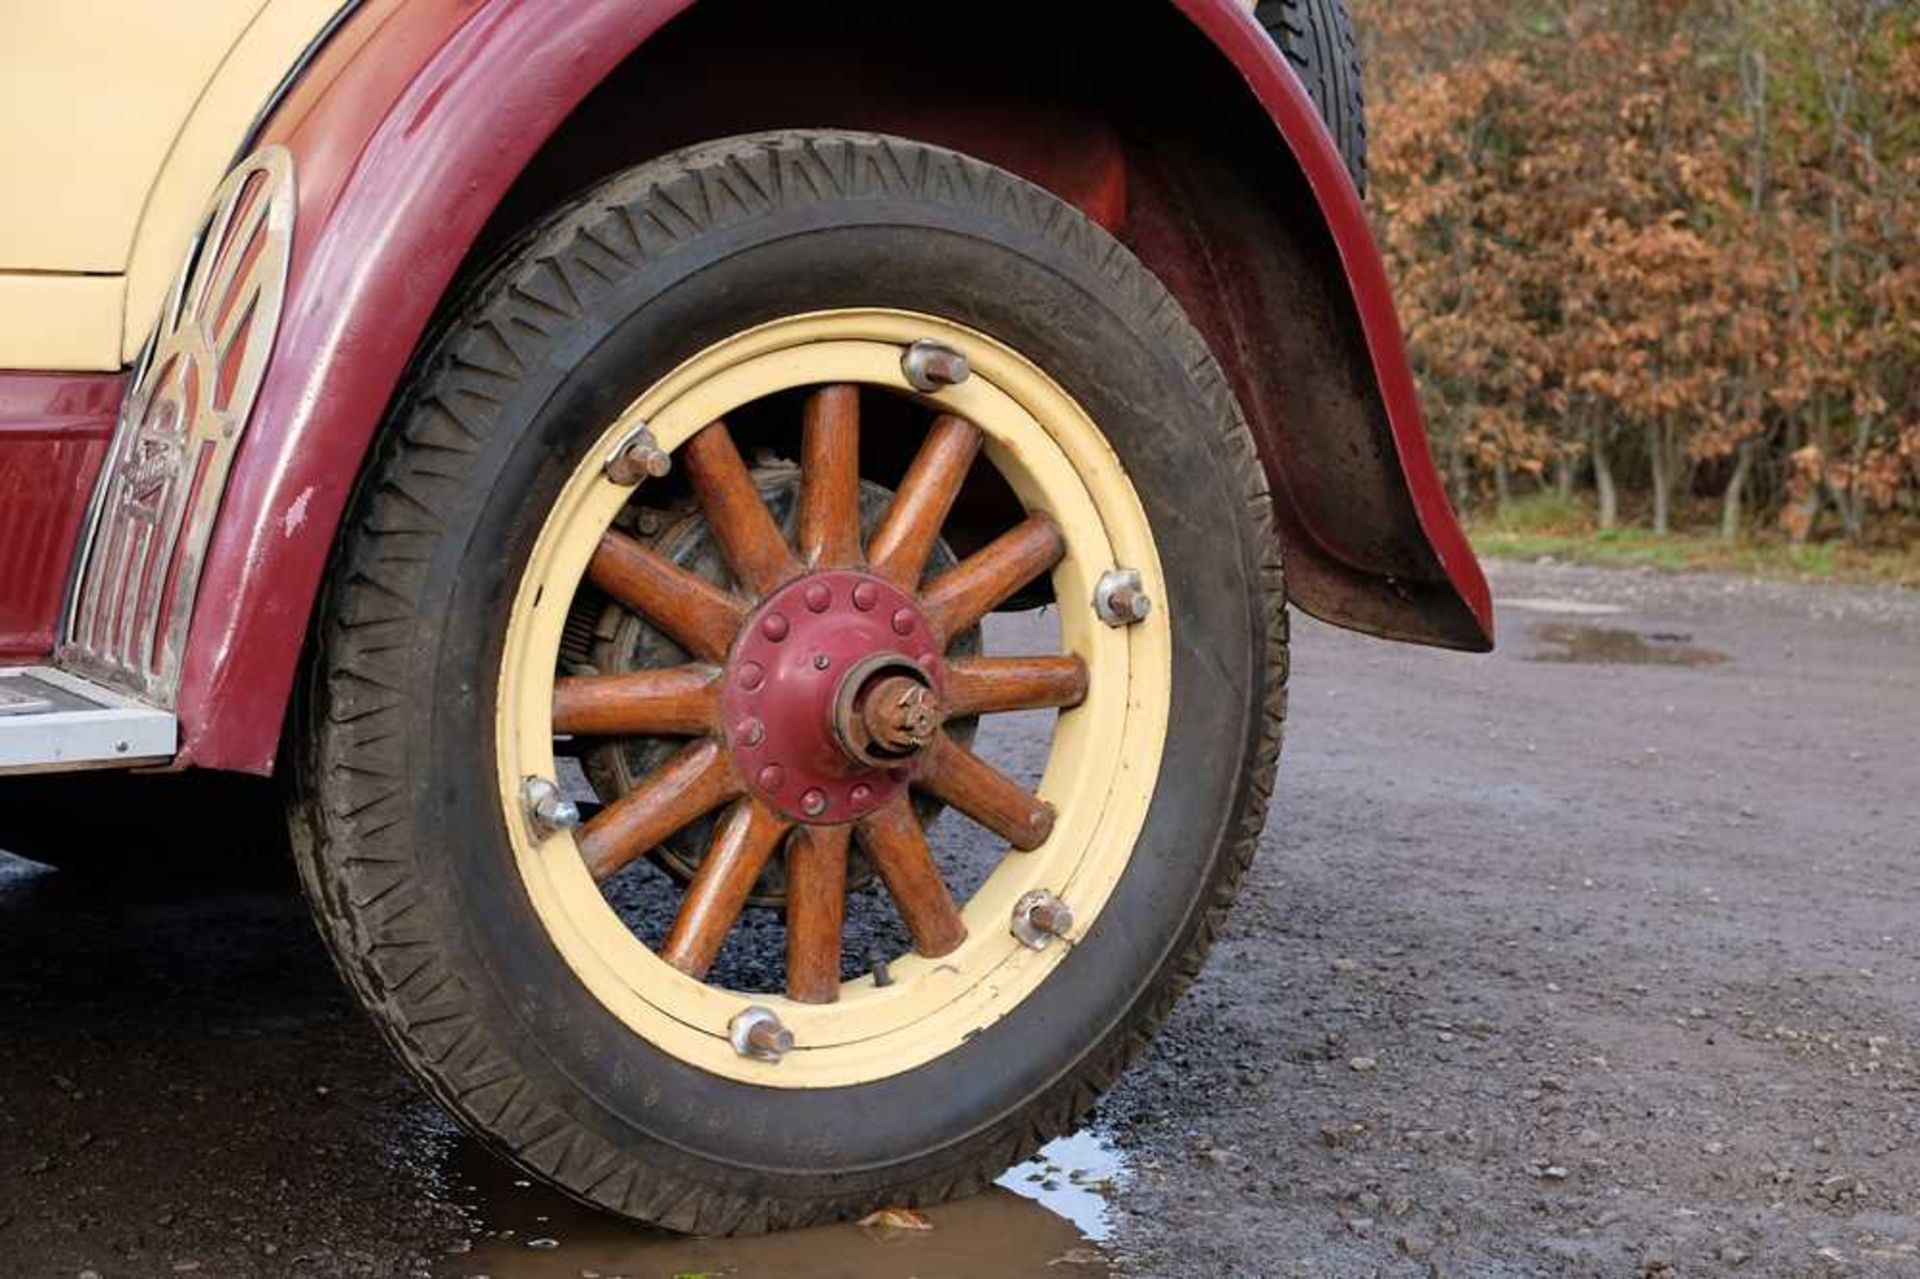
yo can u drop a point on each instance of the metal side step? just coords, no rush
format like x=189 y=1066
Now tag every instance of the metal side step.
x=50 y=720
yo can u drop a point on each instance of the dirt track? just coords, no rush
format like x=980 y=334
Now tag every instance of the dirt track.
x=1548 y=967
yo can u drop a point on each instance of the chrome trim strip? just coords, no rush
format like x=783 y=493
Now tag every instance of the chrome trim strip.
x=180 y=424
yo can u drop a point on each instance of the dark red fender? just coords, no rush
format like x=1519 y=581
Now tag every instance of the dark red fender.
x=401 y=146
x=406 y=131
x=1234 y=31
x=54 y=429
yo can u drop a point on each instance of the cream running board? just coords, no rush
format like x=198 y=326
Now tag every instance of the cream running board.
x=51 y=720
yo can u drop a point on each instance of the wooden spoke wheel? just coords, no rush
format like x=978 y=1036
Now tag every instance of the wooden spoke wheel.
x=798 y=684
x=822 y=693
x=811 y=711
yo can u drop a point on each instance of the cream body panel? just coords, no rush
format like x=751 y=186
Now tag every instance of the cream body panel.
x=60 y=321
x=92 y=95
x=120 y=118
x=207 y=147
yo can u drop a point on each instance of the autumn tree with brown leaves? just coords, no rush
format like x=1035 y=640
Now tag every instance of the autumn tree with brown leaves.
x=1663 y=248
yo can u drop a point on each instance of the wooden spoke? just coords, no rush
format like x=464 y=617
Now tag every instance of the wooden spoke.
x=691 y=784
x=829 y=524
x=700 y=616
x=816 y=912
x=742 y=842
x=749 y=539
x=907 y=533
x=966 y=592
x=954 y=774
x=987 y=685
x=893 y=838
x=676 y=701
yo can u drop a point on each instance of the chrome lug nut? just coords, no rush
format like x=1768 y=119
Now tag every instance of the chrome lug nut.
x=756 y=1032
x=1039 y=917
x=1118 y=598
x=932 y=366
x=547 y=808
x=638 y=456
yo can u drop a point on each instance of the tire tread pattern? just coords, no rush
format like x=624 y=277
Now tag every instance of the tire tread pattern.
x=351 y=833
x=1316 y=37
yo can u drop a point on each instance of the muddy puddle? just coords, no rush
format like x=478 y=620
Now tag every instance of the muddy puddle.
x=1045 y=1218
x=1617 y=646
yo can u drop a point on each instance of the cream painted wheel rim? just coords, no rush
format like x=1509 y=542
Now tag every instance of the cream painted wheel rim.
x=1099 y=776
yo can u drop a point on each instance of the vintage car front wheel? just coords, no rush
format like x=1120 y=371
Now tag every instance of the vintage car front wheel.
x=656 y=793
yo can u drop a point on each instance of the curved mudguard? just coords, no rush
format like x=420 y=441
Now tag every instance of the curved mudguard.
x=406 y=129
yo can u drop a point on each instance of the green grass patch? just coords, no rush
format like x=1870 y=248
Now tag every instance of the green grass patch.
x=1544 y=513
x=1547 y=526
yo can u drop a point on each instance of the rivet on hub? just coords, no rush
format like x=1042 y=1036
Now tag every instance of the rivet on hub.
x=865 y=596
x=756 y=1032
x=903 y=621
x=933 y=366
x=1039 y=917
x=638 y=456
x=774 y=626
x=814 y=802
x=750 y=731
x=547 y=808
x=818 y=597
x=1119 y=599
x=772 y=777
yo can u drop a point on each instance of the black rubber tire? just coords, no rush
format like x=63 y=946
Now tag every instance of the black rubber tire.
x=1316 y=36
x=398 y=837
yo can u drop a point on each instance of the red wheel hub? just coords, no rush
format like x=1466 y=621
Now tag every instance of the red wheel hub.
x=799 y=704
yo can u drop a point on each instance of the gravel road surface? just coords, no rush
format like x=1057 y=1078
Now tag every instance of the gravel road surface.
x=1593 y=957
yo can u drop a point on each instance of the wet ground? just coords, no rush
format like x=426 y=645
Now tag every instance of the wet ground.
x=1593 y=957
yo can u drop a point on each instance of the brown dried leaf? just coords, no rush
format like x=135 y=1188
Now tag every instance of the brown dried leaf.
x=896 y=1218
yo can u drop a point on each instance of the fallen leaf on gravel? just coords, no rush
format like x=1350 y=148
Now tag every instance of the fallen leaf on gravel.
x=897 y=1219
x=1079 y=1257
